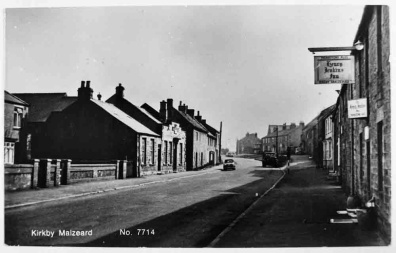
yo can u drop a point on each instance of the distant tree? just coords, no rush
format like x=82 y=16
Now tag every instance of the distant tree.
x=224 y=151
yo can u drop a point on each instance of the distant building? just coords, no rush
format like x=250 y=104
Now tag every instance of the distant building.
x=282 y=137
x=15 y=111
x=325 y=138
x=250 y=144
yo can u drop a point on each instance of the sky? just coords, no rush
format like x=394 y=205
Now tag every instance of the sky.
x=246 y=66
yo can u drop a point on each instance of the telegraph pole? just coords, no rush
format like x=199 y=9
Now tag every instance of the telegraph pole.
x=277 y=142
x=221 y=131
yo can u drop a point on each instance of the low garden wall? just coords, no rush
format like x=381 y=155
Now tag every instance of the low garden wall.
x=46 y=173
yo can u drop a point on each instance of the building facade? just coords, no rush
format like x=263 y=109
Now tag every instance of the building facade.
x=41 y=105
x=93 y=130
x=248 y=144
x=200 y=143
x=170 y=152
x=363 y=145
x=15 y=111
x=281 y=138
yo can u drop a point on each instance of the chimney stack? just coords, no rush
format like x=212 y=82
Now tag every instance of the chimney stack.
x=302 y=124
x=284 y=126
x=198 y=117
x=181 y=107
x=292 y=125
x=169 y=103
x=204 y=121
x=190 y=112
x=120 y=91
x=85 y=92
x=163 y=111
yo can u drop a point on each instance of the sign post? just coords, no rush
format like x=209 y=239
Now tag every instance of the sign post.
x=334 y=69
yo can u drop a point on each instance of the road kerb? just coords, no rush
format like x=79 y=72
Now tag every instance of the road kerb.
x=104 y=191
x=232 y=224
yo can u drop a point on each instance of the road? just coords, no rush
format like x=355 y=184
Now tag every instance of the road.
x=189 y=212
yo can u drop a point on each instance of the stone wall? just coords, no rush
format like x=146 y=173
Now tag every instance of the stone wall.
x=366 y=142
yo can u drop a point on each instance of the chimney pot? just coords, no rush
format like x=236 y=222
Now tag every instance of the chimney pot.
x=82 y=84
x=120 y=91
x=88 y=84
x=99 y=96
x=85 y=92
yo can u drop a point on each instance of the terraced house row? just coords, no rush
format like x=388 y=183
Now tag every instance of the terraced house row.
x=138 y=139
x=358 y=150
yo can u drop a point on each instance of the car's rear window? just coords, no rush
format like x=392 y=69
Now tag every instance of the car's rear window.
x=229 y=161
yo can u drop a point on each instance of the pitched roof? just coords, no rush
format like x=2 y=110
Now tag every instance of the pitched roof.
x=282 y=132
x=192 y=121
x=8 y=97
x=124 y=118
x=42 y=104
x=327 y=111
x=126 y=102
x=150 y=110
x=211 y=129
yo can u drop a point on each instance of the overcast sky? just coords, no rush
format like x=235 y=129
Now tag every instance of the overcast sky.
x=247 y=66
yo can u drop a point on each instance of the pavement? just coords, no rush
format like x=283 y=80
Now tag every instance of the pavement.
x=30 y=197
x=297 y=213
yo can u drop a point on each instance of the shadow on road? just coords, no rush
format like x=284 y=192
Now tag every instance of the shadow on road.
x=193 y=226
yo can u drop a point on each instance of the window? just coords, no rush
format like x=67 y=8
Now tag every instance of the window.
x=9 y=152
x=152 y=151
x=18 y=117
x=196 y=135
x=144 y=151
x=330 y=154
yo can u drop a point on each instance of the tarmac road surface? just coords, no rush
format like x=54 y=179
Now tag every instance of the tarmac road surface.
x=188 y=212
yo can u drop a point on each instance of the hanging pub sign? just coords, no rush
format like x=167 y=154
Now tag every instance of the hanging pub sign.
x=357 y=108
x=334 y=69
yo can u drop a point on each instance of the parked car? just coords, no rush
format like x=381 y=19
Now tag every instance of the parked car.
x=230 y=154
x=270 y=158
x=229 y=164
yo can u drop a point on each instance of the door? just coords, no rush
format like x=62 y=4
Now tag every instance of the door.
x=174 y=156
x=159 y=157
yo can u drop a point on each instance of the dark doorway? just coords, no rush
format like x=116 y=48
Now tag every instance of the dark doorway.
x=380 y=153
x=174 y=155
x=159 y=157
x=368 y=176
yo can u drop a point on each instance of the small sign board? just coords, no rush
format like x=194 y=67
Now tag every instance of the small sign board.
x=334 y=69
x=357 y=108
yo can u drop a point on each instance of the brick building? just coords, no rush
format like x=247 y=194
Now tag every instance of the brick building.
x=170 y=152
x=248 y=144
x=363 y=145
x=285 y=136
x=41 y=106
x=91 y=129
x=15 y=111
